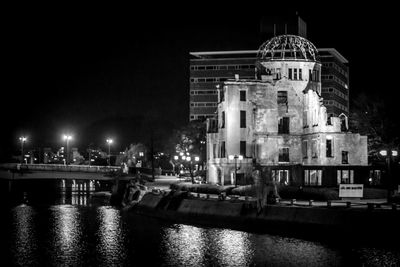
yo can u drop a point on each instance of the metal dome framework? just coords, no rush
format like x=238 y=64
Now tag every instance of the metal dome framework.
x=288 y=47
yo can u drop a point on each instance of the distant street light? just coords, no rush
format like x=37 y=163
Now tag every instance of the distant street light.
x=235 y=157
x=109 y=141
x=67 y=138
x=23 y=139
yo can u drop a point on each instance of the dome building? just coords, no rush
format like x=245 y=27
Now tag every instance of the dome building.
x=278 y=123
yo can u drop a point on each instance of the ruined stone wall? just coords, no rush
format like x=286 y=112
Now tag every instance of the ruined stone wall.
x=307 y=122
x=354 y=144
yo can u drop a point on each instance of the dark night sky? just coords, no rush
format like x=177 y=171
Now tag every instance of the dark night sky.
x=95 y=72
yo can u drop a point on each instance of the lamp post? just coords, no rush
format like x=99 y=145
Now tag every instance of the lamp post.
x=109 y=142
x=189 y=160
x=23 y=139
x=389 y=154
x=235 y=157
x=67 y=138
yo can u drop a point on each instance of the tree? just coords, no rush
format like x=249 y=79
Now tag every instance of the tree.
x=369 y=116
x=190 y=138
x=132 y=155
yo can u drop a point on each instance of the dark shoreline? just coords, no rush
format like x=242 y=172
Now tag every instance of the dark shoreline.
x=337 y=225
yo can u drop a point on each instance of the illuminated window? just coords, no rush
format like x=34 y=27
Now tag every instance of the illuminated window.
x=345 y=176
x=312 y=177
x=280 y=176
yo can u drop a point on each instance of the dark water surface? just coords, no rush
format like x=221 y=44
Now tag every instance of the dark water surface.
x=69 y=230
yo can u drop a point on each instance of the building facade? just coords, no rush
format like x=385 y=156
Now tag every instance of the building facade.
x=278 y=120
x=208 y=71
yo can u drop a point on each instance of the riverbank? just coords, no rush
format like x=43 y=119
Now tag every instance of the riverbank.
x=366 y=224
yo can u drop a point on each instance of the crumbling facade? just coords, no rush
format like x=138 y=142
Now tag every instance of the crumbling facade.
x=278 y=120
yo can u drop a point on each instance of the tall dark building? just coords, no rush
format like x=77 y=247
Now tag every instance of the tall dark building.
x=208 y=70
x=282 y=25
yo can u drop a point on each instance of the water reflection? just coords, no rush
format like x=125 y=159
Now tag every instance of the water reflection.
x=110 y=246
x=24 y=235
x=75 y=233
x=281 y=251
x=184 y=245
x=67 y=234
x=232 y=247
x=189 y=245
x=379 y=256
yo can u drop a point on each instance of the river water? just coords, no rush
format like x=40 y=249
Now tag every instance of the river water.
x=67 y=229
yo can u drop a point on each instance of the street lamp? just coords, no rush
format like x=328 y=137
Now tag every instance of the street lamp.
x=67 y=138
x=389 y=155
x=189 y=160
x=109 y=142
x=235 y=157
x=23 y=139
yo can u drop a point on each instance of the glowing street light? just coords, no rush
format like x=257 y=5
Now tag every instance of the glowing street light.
x=383 y=153
x=67 y=138
x=109 y=142
x=23 y=139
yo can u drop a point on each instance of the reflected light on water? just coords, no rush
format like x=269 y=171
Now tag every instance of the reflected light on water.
x=67 y=232
x=184 y=245
x=278 y=251
x=110 y=247
x=24 y=245
x=232 y=247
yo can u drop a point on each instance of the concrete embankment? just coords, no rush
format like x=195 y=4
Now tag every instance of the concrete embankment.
x=242 y=215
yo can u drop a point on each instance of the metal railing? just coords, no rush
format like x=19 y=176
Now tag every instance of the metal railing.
x=59 y=167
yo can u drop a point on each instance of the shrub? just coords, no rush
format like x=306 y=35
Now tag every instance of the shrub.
x=201 y=188
x=370 y=193
x=307 y=193
x=245 y=190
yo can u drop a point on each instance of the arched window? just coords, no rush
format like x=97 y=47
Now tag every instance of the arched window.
x=344 y=126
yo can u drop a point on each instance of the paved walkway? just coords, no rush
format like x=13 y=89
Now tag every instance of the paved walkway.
x=163 y=182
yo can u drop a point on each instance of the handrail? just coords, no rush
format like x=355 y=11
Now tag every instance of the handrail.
x=60 y=167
